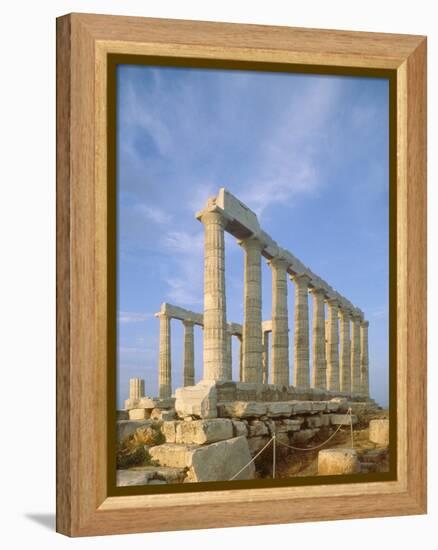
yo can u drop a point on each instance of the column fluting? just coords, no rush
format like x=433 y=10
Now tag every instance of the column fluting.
x=332 y=345
x=345 y=350
x=189 y=354
x=355 y=354
x=165 y=362
x=364 y=359
x=280 y=323
x=319 y=370
x=301 y=340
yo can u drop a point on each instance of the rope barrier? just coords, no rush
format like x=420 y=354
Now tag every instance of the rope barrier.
x=326 y=441
x=252 y=460
x=274 y=448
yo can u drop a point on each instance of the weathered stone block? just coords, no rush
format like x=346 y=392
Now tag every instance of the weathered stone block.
x=338 y=461
x=199 y=400
x=379 y=431
x=319 y=406
x=201 y=432
x=169 y=430
x=325 y=419
x=221 y=461
x=300 y=407
x=256 y=428
x=163 y=414
x=240 y=428
x=150 y=475
x=279 y=409
x=139 y=414
x=171 y=454
x=242 y=409
x=342 y=419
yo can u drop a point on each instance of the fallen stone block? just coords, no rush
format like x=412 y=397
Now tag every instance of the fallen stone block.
x=201 y=432
x=163 y=414
x=379 y=431
x=221 y=461
x=338 y=461
x=169 y=430
x=199 y=400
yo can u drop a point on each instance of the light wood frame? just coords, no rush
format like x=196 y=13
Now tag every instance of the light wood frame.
x=83 y=505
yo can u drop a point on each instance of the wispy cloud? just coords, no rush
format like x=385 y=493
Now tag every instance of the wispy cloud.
x=153 y=213
x=133 y=317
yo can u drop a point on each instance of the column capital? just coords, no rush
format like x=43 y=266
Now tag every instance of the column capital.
x=301 y=279
x=318 y=291
x=188 y=322
x=212 y=214
x=162 y=315
x=278 y=262
x=334 y=302
x=365 y=324
x=356 y=316
x=345 y=312
x=253 y=242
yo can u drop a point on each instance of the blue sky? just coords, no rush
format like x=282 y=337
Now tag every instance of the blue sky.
x=307 y=153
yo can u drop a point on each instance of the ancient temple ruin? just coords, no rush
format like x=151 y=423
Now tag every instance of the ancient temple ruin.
x=216 y=428
x=339 y=343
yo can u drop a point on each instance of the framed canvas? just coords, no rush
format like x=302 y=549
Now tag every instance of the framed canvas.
x=200 y=168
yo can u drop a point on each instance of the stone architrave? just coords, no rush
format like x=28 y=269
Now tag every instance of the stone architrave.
x=265 y=357
x=165 y=363
x=136 y=388
x=189 y=354
x=215 y=321
x=252 y=311
x=345 y=350
x=319 y=371
x=356 y=388
x=332 y=345
x=280 y=324
x=301 y=342
x=364 y=362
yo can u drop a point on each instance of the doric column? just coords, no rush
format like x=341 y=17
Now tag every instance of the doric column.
x=239 y=336
x=265 y=357
x=345 y=350
x=319 y=371
x=189 y=354
x=215 y=322
x=364 y=366
x=165 y=363
x=229 y=370
x=136 y=388
x=301 y=341
x=280 y=324
x=252 y=311
x=355 y=354
x=332 y=345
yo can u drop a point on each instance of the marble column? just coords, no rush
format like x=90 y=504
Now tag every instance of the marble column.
x=165 y=363
x=252 y=311
x=280 y=324
x=215 y=323
x=319 y=370
x=301 y=341
x=136 y=388
x=345 y=350
x=229 y=370
x=189 y=354
x=332 y=346
x=355 y=354
x=265 y=357
x=239 y=336
x=364 y=361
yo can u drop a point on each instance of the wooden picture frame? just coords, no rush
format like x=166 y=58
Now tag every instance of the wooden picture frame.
x=83 y=45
